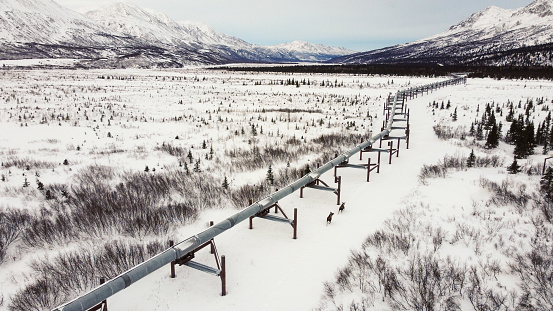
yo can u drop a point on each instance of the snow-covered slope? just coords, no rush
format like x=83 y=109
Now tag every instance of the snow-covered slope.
x=311 y=52
x=483 y=37
x=157 y=28
x=123 y=35
x=46 y=22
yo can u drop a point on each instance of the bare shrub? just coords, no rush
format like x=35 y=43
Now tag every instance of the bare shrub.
x=535 y=270
x=69 y=274
x=12 y=223
x=175 y=151
x=424 y=287
x=457 y=162
x=445 y=132
x=502 y=194
x=28 y=163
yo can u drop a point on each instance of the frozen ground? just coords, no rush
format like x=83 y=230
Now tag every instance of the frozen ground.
x=266 y=268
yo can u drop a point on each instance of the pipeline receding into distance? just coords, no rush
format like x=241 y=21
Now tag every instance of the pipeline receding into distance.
x=129 y=277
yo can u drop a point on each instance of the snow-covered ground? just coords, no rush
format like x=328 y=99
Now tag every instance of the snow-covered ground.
x=266 y=268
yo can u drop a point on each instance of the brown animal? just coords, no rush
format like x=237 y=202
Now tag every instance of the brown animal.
x=329 y=218
x=341 y=208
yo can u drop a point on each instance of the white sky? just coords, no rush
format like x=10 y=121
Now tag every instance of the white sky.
x=359 y=25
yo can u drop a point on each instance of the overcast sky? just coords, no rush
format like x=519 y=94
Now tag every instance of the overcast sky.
x=359 y=25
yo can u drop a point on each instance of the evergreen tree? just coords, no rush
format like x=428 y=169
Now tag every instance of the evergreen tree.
x=471 y=160
x=189 y=156
x=254 y=131
x=146 y=169
x=454 y=117
x=197 y=166
x=514 y=168
x=270 y=178
x=186 y=170
x=479 y=132
x=511 y=115
x=546 y=185
x=493 y=138
x=225 y=183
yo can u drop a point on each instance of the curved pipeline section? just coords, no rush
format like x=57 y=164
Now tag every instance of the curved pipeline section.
x=125 y=279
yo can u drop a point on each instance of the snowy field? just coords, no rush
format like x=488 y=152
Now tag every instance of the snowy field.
x=89 y=136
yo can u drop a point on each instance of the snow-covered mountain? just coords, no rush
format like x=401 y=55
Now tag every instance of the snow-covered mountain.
x=493 y=36
x=122 y=35
x=46 y=22
x=158 y=29
x=310 y=51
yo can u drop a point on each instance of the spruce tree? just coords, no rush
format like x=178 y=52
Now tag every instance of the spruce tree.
x=493 y=138
x=514 y=168
x=546 y=185
x=471 y=160
x=225 y=183
x=270 y=178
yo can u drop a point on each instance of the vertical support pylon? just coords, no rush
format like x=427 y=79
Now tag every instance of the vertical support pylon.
x=223 y=276
x=397 y=151
x=369 y=169
x=212 y=244
x=250 y=202
x=295 y=223
x=339 y=189
x=391 y=144
x=173 y=275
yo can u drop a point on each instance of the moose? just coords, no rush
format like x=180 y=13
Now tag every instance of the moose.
x=342 y=207
x=329 y=218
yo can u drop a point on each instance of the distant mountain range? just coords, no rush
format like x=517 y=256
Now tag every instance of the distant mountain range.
x=494 y=36
x=125 y=35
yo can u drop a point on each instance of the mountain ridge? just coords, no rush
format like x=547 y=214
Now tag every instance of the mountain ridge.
x=478 y=40
x=116 y=34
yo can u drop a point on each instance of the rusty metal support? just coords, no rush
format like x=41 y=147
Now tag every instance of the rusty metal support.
x=173 y=275
x=295 y=223
x=223 y=276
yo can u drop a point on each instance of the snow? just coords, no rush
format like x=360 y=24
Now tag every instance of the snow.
x=266 y=268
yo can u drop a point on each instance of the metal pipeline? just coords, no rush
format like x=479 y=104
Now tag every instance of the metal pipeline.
x=125 y=279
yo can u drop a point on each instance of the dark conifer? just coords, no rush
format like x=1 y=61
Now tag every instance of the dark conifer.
x=514 y=168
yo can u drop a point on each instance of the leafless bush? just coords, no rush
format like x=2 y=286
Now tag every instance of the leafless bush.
x=12 y=223
x=535 y=270
x=481 y=296
x=425 y=286
x=457 y=162
x=503 y=194
x=445 y=132
x=489 y=161
x=72 y=273
x=175 y=151
x=432 y=171
x=28 y=163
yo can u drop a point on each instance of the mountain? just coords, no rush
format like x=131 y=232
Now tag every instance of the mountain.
x=125 y=35
x=158 y=29
x=306 y=51
x=494 y=36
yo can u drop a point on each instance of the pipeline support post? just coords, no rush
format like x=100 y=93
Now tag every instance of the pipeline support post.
x=295 y=224
x=223 y=276
x=173 y=275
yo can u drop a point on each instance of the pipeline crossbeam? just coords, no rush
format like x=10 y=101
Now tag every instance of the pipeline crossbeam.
x=181 y=249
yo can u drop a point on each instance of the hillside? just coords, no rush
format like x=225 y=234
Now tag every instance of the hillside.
x=494 y=36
